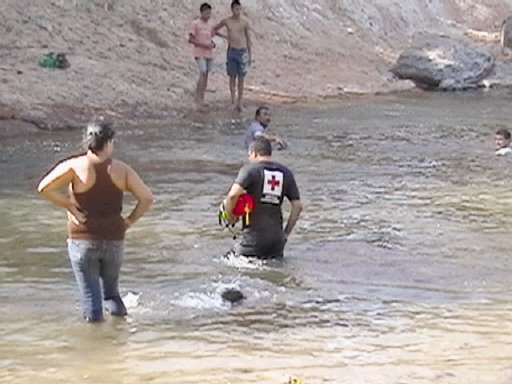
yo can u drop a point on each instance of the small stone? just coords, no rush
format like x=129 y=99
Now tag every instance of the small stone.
x=232 y=295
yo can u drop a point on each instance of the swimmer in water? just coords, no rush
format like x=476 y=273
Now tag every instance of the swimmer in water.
x=258 y=128
x=502 y=141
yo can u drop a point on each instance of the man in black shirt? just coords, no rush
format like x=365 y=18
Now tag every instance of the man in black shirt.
x=268 y=183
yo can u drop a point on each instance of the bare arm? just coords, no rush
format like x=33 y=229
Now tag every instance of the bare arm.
x=274 y=139
x=249 y=42
x=217 y=33
x=192 y=40
x=294 y=216
x=141 y=192
x=220 y=25
x=51 y=186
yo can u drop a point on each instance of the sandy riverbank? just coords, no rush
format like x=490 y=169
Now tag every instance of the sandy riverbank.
x=130 y=60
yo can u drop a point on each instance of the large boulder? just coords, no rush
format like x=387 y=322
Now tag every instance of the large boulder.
x=441 y=62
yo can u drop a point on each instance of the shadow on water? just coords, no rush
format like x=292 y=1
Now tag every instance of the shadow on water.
x=397 y=273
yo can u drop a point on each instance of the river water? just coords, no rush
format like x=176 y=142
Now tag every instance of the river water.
x=398 y=271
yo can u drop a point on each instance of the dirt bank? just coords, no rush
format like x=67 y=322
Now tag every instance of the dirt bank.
x=130 y=60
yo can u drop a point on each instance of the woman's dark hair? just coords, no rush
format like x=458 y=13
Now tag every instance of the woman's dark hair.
x=97 y=134
x=234 y=3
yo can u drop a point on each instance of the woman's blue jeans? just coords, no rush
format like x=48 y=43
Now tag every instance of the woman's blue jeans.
x=97 y=264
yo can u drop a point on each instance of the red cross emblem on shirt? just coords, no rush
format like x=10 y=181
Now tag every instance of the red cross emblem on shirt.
x=274 y=183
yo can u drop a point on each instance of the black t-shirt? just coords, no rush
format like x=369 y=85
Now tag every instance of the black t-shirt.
x=268 y=183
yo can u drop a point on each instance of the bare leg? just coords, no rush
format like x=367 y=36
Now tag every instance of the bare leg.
x=240 y=93
x=232 y=86
x=205 y=85
x=198 y=89
x=201 y=88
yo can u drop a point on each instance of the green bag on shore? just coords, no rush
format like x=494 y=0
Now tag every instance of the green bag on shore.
x=52 y=61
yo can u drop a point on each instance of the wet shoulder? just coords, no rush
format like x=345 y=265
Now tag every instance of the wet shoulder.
x=256 y=125
x=119 y=167
x=77 y=162
x=119 y=174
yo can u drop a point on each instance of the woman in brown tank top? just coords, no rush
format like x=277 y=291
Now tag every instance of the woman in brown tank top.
x=96 y=184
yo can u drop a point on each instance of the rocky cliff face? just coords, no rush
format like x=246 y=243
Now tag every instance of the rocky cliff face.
x=132 y=54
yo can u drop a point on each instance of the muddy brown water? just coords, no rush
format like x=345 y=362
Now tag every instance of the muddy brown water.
x=399 y=270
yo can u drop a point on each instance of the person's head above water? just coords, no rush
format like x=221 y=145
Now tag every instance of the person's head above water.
x=260 y=149
x=263 y=116
x=206 y=11
x=502 y=138
x=97 y=136
x=236 y=8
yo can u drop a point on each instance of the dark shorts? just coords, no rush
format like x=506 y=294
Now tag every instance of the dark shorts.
x=237 y=62
x=261 y=249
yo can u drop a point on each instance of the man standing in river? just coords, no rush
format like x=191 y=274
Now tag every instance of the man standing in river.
x=239 y=56
x=268 y=183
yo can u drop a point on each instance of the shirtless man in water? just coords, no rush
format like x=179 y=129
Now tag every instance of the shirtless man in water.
x=239 y=51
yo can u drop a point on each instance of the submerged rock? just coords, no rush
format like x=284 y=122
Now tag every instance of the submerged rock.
x=441 y=62
x=232 y=295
